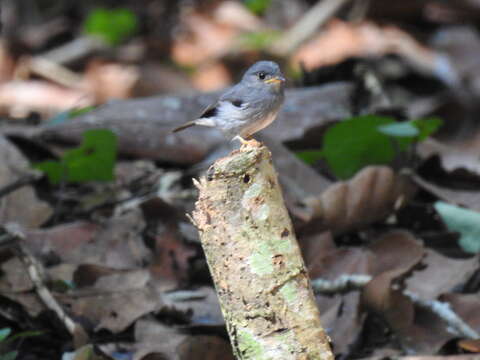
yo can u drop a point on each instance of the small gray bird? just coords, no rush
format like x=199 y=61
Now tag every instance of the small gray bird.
x=247 y=107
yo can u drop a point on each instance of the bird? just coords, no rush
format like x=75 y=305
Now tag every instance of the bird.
x=247 y=107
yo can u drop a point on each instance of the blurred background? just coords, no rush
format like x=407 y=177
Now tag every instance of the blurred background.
x=56 y=55
x=377 y=148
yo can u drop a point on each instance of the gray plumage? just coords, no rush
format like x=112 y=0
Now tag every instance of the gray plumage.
x=247 y=107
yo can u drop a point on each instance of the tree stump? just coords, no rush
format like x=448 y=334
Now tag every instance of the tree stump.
x=255 y=261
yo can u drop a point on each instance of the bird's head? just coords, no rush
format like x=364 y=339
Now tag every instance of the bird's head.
x=265 y=74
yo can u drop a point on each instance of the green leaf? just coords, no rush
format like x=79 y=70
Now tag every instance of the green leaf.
x=94 y=160
x=257 y=6
x=55 y=171
x=111 y=25
x=4 y=333
x=464 y=221
x=310 y=156
x=354 y=143
x=399 y=129
x=427 y=127
x=12 y=355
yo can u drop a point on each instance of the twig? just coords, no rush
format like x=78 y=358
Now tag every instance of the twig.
x=19 y=183
x=74 y=50
x=51 y=65
x=443 y=310
x=55 y=72
x=306 y=26
x=35 y=272
x=344 y=283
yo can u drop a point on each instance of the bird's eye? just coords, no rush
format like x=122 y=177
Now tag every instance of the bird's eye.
x=261 y=75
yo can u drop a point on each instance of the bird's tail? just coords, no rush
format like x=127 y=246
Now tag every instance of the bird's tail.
x=184 y=126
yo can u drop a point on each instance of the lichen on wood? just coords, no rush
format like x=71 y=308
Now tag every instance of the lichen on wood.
x=255 y=261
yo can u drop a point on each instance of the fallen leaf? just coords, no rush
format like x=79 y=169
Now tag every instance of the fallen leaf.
x=115 y=301
x=370 y=196
x=157 y=341
x=440 y=275
x=19 y=98
x=468 y=198
x=342 y=40
x=117 y=243
x=12 y=206
x=107 y=80
x=236 y=14
x=465 y=306
x=211 y=77
x=61 y=240
x=203 y=39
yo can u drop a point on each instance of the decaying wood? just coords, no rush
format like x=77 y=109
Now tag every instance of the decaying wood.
x=253 y=255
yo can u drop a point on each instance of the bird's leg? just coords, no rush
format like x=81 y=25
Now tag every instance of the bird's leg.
x=242 y=140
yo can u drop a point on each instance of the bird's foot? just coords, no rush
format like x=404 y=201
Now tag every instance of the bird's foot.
x=244 y=142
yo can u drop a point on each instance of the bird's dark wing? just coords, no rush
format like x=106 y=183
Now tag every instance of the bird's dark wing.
x=209 y=112
x=232 y=95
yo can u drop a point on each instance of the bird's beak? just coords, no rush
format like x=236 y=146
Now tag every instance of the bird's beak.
x=276 y=80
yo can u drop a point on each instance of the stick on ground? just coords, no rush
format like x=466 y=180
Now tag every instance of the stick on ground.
x=255 y=261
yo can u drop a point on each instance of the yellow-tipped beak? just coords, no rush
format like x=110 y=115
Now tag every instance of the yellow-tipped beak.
x=275 y=80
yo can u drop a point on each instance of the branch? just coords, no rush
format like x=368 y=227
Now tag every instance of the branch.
x=35 y=272
x=255 y=261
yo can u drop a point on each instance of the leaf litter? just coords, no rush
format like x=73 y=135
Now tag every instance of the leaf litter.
x=388 y=261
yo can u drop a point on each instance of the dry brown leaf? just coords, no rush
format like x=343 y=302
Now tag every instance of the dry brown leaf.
x=417 y=328
x=379 y=297
x=468 y=198
x=440 y=275
x=340 y=313
x=211 y=77
x=19 y=98
x=157 y=341
x=115 y=301
x=13 y=207
x=370 y=196
x=236 y=14
x=456 y=153
x=205 y=347
x=153 y=338
x=107 y=80
x=204 y=40
x=465 y=306
x=88 y=274
x=342 y=40
x=117 y=243
x=14 y=277
x=397 y=252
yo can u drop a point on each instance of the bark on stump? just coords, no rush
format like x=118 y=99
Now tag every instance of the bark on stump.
x=254 y=258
